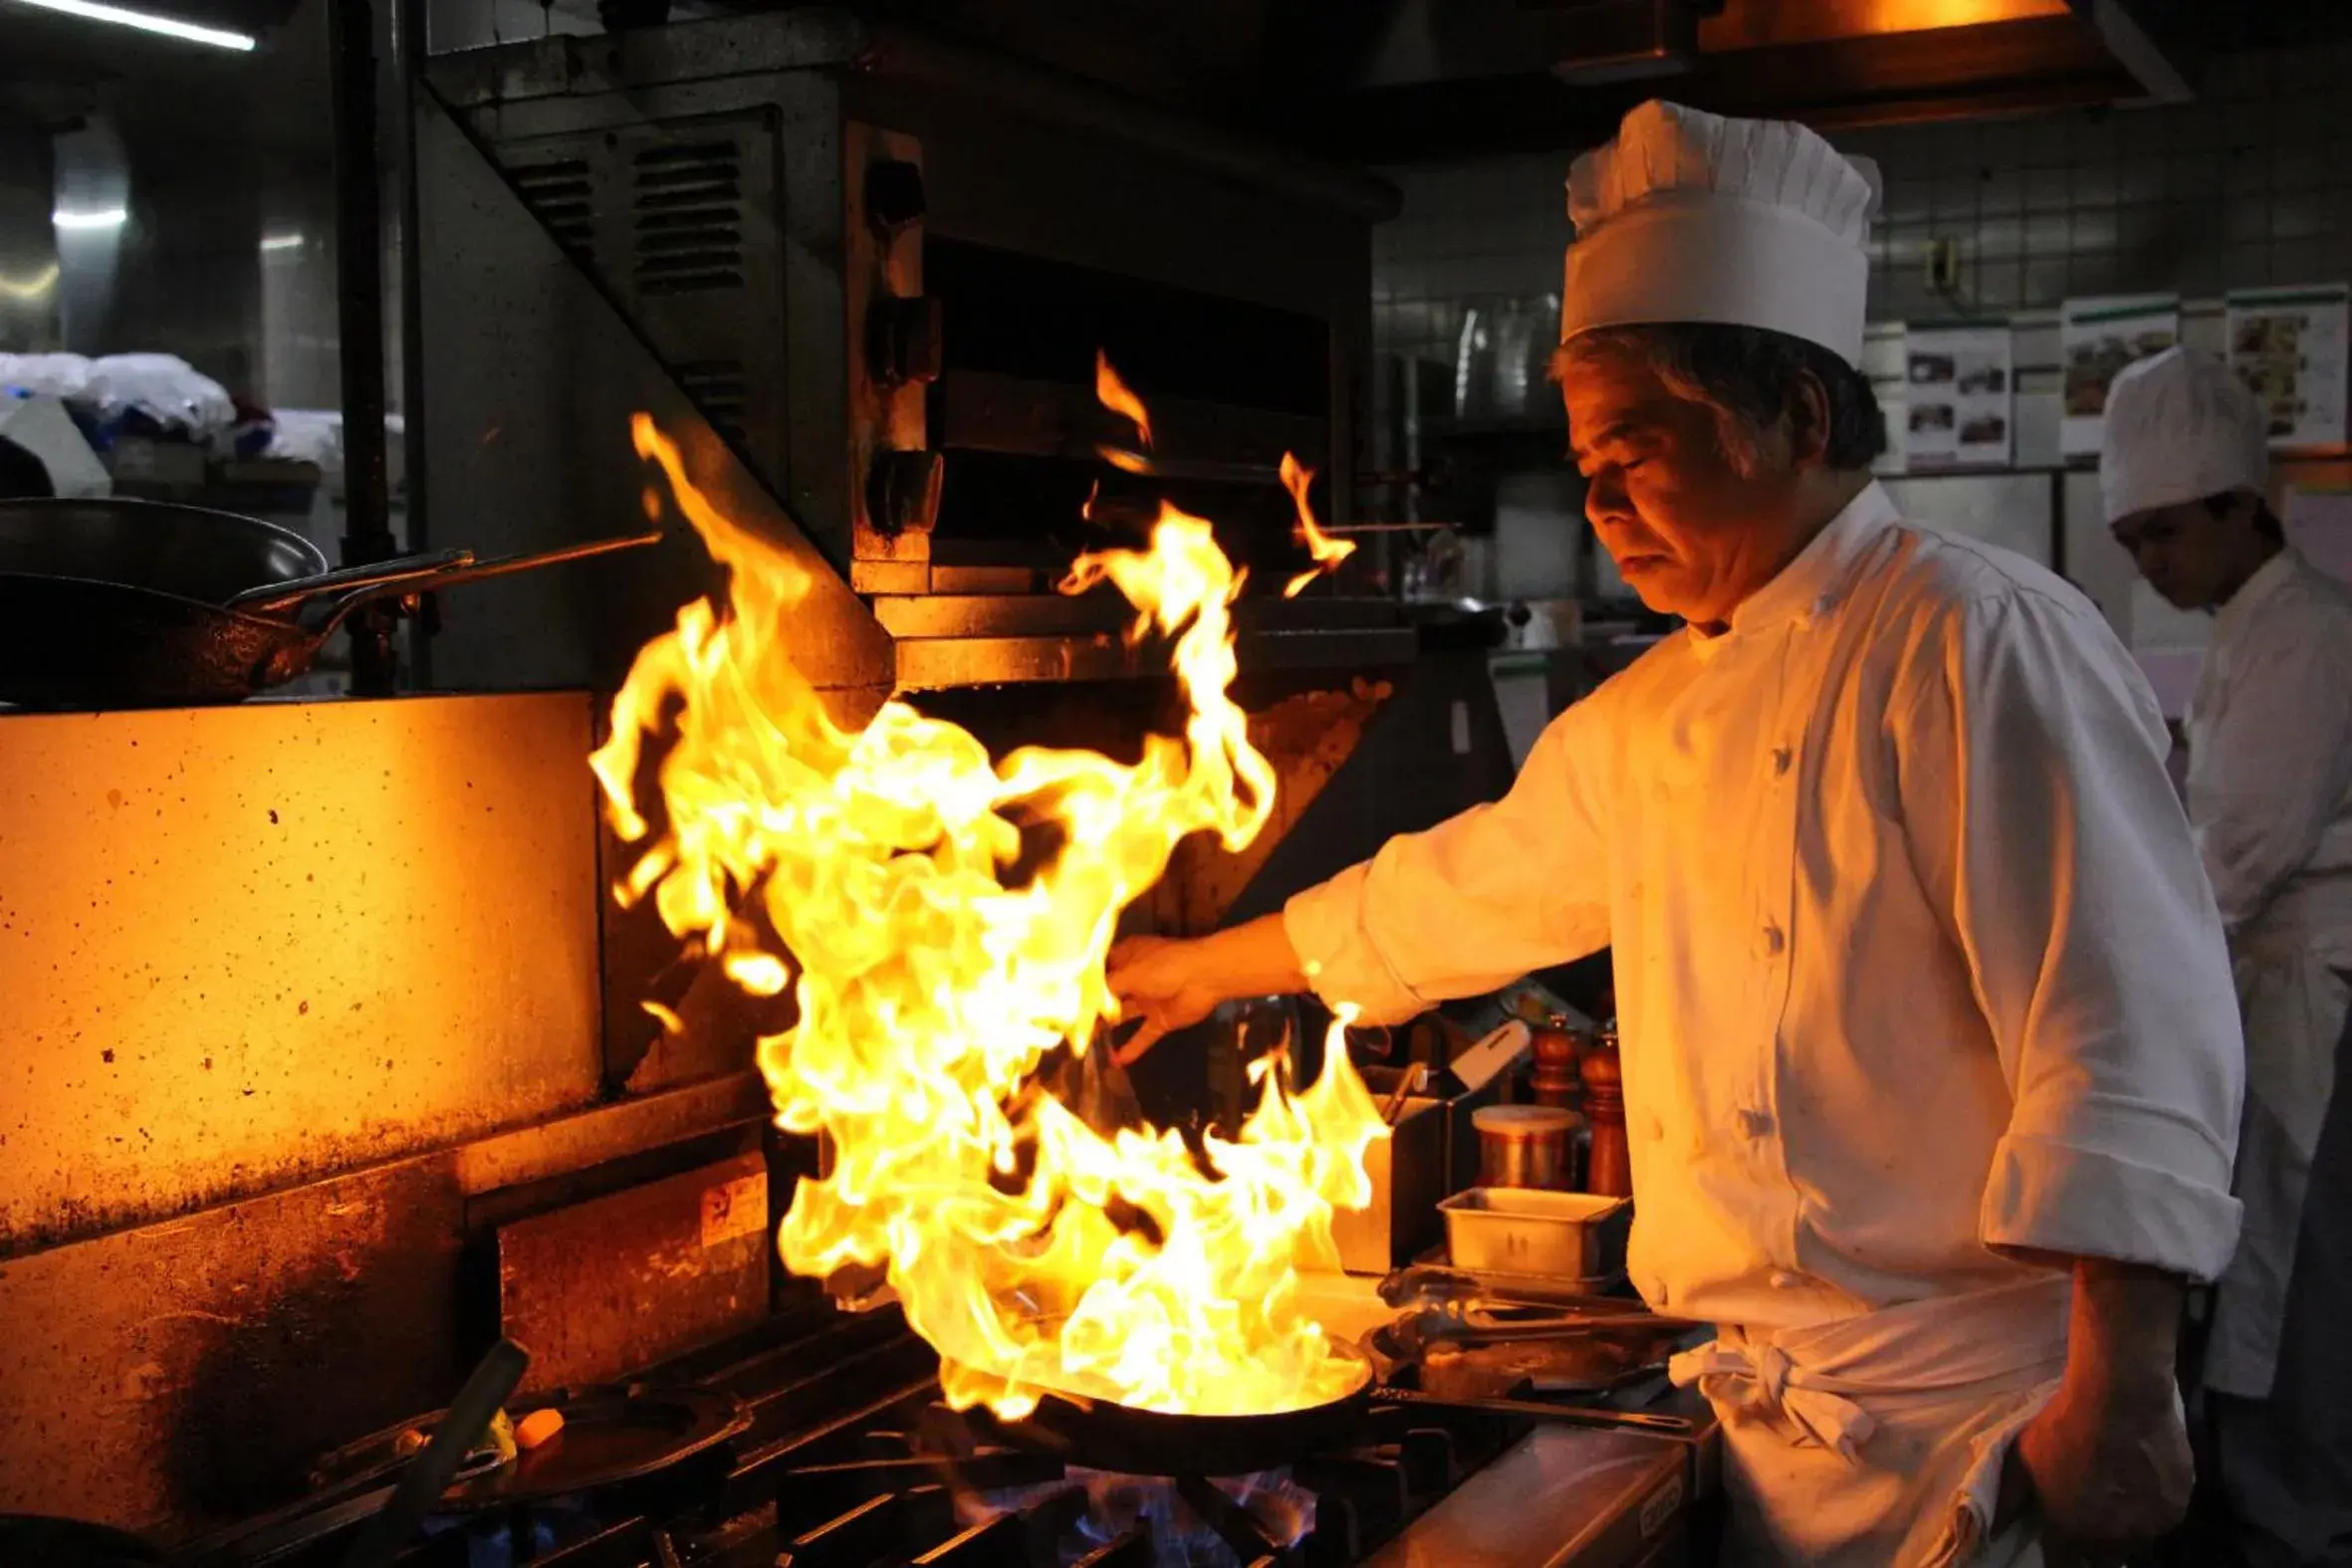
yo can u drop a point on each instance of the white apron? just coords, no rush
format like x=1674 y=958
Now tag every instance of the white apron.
x=2295 y=1006
x=1879 y=1439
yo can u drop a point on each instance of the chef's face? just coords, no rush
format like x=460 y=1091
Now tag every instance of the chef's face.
x=1697 y=515
x=2194 y=553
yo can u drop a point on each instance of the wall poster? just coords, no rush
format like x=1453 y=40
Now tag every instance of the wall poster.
x=2096 y=340
x=1957 y=385
x=2288 y=346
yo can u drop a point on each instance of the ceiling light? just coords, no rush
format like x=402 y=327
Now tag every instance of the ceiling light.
x=90 y=218
x=146 y=22
x=281 y=242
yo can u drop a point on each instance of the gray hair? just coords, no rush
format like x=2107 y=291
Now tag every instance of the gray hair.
x=1746 y=374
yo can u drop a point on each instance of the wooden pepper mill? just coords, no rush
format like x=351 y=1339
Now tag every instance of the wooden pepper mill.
x=1609 y=1173
x=1556 y=1081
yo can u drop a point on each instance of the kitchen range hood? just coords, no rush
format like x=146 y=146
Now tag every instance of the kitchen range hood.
x=1444 y=78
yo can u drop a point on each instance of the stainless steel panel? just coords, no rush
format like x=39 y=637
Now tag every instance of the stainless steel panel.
x=609 y=1287
x=531 y=379
x=246 y=946
x=1563 y=1496
x=177 y=1375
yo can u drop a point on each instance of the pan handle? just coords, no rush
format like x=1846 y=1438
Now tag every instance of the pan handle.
x=277 y=599
x=420 y=1485
x=477 y=571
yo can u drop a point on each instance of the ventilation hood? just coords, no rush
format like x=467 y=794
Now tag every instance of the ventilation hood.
x=1444 y=78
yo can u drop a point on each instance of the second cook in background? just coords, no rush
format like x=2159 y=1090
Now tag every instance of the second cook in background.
x=2182 y=470
x=1932 y=1068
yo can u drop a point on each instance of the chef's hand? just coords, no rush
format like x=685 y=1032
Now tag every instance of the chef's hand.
x=1173 y=984
x=1165 y=983
x=2108 y=1457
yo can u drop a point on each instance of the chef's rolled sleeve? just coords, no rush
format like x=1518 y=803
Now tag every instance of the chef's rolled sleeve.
x=1475 y=902
x=2040 y=815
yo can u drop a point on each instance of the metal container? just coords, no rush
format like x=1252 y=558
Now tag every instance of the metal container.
x=1407 y=1170
x=1522 y=1231
x=1525 y=1146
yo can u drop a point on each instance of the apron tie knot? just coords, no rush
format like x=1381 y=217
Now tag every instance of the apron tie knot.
x=1759 y=1379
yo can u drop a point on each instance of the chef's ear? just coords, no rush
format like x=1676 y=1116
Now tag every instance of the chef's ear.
x=1808 y=414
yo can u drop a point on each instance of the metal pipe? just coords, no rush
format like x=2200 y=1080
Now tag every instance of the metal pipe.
x=409 y=43
x=359 y=240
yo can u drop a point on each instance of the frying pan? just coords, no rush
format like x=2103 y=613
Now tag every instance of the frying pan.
x=1103 y=1436
x=141 y=604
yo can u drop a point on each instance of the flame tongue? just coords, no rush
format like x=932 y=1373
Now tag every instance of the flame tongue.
x=934 y=965
x=1326 y=551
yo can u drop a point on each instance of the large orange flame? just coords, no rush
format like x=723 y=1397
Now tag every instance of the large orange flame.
x=942 y=922
x=1326 y=551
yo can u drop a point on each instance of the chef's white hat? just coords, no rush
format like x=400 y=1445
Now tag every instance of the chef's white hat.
x=1692 y=217
x=2180 y=426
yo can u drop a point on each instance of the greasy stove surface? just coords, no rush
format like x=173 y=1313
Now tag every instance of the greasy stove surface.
x=851 y=1462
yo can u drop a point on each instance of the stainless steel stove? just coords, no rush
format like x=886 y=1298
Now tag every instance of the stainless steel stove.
x=850 y=1461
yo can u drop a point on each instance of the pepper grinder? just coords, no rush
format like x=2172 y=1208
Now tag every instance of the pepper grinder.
x=1608 y=1171
x=1555 y=1083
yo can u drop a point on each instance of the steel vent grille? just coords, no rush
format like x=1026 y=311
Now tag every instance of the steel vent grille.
x=688 y=214
x=718 y=389
x=562 y=197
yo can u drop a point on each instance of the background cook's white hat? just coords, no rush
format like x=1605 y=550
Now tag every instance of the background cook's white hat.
x=1692 y=217
x=2181 y=426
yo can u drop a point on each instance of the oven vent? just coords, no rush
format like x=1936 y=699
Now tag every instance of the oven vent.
x=689 y=218
x=561 y=195
x=717 y=387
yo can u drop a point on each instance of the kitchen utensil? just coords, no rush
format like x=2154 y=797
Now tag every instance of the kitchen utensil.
x=1566 y=1414
x=129 y=605
x=1517 y=1230
x=459 y=1429
x=1408 y=1084
x=1557 y=1080
x=283 y=599
x=1523 y=1146
x=1432 y=1284
x=1457 y=1324
x=1608 y=1168
x=1104 y=1436
x=611 y=1434
x=49 y=1542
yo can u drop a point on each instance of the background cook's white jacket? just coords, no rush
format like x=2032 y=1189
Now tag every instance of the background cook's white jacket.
x=1913 y=954
x=2271 y=802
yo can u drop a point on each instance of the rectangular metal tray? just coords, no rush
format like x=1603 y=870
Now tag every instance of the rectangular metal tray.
x=1530 y=1231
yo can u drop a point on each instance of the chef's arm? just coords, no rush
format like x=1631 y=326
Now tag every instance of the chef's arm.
x=2042 y=821
x=1471 y=903
x=2278 y=769
x=2039 y=815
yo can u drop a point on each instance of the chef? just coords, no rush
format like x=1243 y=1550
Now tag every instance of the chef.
x=2182 y=471
x=1931 y=1063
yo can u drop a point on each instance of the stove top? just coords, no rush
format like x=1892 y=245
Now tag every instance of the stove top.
x=851 y=1461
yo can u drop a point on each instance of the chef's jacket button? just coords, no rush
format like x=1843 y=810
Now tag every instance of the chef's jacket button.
x=1782 y=1279
x=1770 y=941
x=1755 y=1123
x=1782 y=757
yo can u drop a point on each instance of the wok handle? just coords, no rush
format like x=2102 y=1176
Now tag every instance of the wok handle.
x=477 y=571
x=421 y=1485
x=276 y=598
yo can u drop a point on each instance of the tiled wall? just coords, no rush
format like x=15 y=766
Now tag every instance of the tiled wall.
x=2249 y=186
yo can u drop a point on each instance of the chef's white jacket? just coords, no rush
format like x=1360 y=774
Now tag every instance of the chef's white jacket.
x=2271 y=804
x=1915 y=960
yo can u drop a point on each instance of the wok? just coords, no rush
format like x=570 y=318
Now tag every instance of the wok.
x=142 y=605
x=1103 y=1436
